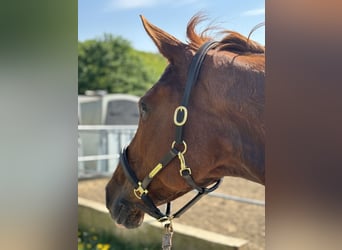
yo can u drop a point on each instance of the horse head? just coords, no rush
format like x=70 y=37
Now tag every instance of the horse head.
x=223 y=130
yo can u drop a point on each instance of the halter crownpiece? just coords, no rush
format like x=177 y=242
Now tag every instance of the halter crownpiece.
x=180 y=118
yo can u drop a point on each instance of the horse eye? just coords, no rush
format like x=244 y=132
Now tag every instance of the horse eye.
x=143 y=109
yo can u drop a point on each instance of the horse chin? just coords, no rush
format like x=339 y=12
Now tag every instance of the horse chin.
x=127 y=216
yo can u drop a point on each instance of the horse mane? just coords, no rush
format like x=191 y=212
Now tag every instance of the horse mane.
x=232 y=41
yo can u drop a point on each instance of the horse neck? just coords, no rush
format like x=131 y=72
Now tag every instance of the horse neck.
x=251 y=147
x=247 y=110
x=241 y=104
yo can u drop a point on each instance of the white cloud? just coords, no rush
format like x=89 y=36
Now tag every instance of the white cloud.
x=254 y=12
x=133 y=4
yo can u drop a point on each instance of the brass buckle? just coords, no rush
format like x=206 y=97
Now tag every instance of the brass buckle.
x=139 y=191
x=183 y=167
x=181 y=171
x=185 y=116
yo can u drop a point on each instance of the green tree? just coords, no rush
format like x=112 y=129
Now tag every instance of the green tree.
x=110 y=63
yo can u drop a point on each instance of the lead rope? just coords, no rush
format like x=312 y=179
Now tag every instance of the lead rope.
x=167 y=237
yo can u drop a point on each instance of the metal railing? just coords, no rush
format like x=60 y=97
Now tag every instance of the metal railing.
x=102 y=144
x=237 y=198
x=99 y=147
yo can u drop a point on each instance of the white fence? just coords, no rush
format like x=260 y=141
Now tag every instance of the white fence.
x=99 y=151
x=99 y=148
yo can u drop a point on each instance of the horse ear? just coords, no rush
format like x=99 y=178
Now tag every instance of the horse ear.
x=168 y=45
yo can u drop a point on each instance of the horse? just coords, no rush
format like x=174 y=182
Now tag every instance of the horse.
x=201 y=121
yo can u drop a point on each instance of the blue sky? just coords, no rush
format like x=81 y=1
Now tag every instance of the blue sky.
x=121 y=18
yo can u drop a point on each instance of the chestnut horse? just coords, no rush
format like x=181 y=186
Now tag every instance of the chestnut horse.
x=219 y=124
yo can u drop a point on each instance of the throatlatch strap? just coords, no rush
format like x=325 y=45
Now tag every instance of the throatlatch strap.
x=197 y=198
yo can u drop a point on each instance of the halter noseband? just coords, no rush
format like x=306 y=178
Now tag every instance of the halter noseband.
x=180 y=118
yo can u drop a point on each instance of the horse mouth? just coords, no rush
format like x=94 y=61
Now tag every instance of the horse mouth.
x=127 y=215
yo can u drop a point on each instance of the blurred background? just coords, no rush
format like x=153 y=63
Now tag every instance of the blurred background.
x=117 y=64
x=39 y=49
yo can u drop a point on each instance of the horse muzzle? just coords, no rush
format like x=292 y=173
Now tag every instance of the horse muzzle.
x=124 y=212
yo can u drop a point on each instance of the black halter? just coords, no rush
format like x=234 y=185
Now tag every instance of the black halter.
x=180 y=118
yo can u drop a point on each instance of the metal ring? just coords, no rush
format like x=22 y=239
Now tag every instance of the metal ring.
x=184 y=144
x=185 y=116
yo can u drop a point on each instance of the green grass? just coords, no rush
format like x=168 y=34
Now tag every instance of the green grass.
x=91 y=240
